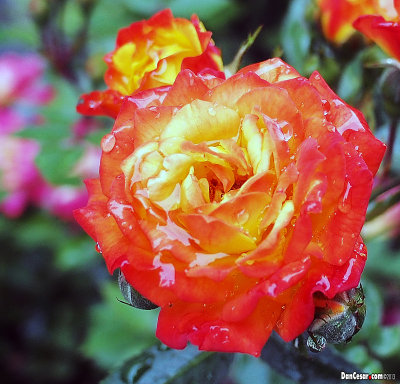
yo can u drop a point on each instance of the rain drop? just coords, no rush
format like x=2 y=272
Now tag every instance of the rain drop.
x=98 y=248
x=212 y=111
x=345 y=204
x=191 y=80
x=326 y=107
x=242 y=217
x=93 y=104
x=108 y=142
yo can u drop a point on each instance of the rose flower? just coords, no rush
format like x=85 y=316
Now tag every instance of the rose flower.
x=337 y=16
x=229 y=203
x=22 y=90
x=385 y=33
x=149 y=54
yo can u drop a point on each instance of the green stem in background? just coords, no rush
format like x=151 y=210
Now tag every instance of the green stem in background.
x=387 y=161
x=383 y=205
x=67 y=56
x=384 y=187
x=233 y=67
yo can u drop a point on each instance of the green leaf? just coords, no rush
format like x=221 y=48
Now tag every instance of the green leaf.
x=296 y=35
x=57 y=164
x=359 y=355
x=118 y=331
x=73 y=18
x=247 y=369
x=58 y=155
x=18 y=29
x=77 y=252
x=383 y=261
x=3 y=194
x=96 y=136
x=161 y=365
x=205 y=9
x=351 y=81
x=39 y=230
x=385 y=342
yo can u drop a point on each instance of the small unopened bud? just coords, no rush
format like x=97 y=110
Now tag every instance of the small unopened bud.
x=336 y=320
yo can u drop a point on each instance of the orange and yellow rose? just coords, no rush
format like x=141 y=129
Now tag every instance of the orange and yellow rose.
x=337 y=16
x=382 y=30
x=148 y=54
x=229 y=203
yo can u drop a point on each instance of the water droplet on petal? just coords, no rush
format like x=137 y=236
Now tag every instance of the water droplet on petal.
x=93 y=104
x=326 y=106
x=345 y=204
x=108 y=142
x=212 y=111
x=98 y=248
x=242 y=217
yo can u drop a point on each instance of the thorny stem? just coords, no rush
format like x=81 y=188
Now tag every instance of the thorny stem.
x=233 y=67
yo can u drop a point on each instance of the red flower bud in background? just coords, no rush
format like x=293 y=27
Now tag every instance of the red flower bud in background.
x=149 y=54
x=22 y=89
x=230 y=203
x=337 y=16
x=384 y=32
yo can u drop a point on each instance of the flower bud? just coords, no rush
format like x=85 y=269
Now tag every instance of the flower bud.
x=337 y=320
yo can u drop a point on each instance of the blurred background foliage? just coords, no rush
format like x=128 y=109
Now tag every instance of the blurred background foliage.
x=61 y=320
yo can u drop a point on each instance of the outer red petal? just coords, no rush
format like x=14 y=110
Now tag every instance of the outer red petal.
x=297 y=317
x=384 y=33
x=272 y=70
x=96 y=103
x=203 y=326
x=351 y=124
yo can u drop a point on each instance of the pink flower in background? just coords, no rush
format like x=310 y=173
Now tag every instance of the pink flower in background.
x=22 y=90
x=19 y=178
x=384 y=31
x=61 y=200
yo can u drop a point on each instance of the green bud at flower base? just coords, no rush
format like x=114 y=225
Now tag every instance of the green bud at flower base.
x=336 y=320
x=133 y=297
